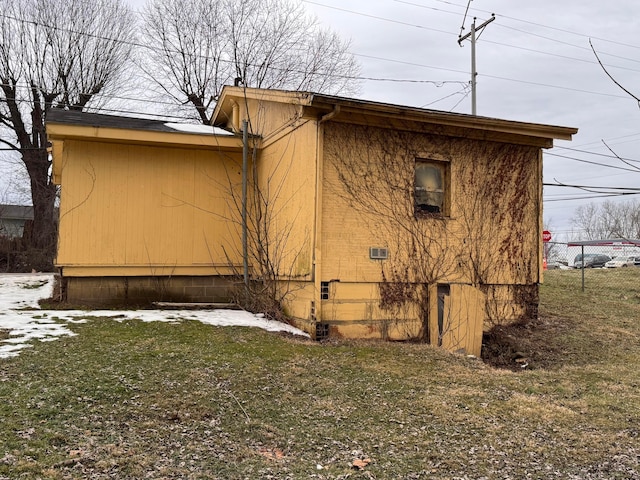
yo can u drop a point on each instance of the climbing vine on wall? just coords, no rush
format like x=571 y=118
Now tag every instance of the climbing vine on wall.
x=484 y=239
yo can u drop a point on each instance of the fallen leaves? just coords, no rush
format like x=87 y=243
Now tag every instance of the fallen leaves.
x=360 y=463
x=271 y=453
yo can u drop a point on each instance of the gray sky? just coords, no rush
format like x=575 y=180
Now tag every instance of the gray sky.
x=534 y=63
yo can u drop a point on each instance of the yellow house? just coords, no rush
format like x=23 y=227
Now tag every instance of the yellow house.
x=362 y=219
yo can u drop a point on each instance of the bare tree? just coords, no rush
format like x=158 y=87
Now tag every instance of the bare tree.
x=608 y=220
x=54 y=54
x=198 y=46
x=275 y=242
x=611 y=77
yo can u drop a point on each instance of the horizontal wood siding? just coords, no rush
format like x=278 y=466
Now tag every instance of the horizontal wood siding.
x=130 y=205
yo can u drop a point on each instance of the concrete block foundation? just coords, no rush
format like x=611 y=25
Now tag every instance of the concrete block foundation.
x=145 y=290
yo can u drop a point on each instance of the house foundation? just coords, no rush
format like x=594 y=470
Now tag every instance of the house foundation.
x=145 y=290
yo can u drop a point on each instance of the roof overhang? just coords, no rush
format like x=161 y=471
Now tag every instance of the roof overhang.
x=63 y=126
x=363 y=112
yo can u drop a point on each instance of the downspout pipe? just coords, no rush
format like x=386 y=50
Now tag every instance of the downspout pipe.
x=331 y=114
x=245 y=162
x=235 y=116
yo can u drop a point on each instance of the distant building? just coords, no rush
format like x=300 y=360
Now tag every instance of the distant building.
x=13 y=219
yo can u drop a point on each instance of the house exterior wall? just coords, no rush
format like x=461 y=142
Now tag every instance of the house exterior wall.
x=487 y=241
x=13 y=219
x=329 y=179
x=286 y=183
x=286 y=173
x=147 y=211
x=144 y=290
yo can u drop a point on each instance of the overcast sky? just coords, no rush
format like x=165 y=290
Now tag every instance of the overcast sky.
x=534 y=64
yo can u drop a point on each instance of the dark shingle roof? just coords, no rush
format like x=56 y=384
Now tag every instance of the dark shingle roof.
x=72 y=117
x=16 y=212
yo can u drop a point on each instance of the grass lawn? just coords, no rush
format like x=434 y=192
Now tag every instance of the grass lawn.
x=190 y=401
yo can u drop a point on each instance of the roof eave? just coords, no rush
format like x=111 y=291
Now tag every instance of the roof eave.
x=64 y=131
x=445 y=118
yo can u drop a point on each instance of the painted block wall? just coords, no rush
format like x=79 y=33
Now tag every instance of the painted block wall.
x=490 y=235
x=142 y=291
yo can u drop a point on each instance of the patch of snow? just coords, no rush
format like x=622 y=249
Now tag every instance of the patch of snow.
x=20 y=291
x=192 y=128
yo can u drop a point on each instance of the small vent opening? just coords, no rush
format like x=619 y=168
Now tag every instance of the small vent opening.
x=324 y=290
x=378 y=253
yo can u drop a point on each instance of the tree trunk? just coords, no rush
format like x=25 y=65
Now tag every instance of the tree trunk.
x=43 y=195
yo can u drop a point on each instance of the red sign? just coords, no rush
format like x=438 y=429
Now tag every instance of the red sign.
x=546 y=236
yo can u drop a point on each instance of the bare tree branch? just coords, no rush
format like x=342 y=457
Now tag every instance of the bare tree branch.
x=55 y=54
x=637 y=99
x=9 y=144
x=635 y=167
x=198 y=46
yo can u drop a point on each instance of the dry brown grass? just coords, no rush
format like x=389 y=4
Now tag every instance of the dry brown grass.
x=133 y=400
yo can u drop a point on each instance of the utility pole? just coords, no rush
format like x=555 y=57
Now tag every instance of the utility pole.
x=474 y=72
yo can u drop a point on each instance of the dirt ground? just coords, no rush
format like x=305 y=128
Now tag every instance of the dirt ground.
x=527 y=344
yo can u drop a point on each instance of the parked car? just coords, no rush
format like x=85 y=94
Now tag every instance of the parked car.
x=558 y=265
x=636 y=261
x=591 y=260
x=618 y=262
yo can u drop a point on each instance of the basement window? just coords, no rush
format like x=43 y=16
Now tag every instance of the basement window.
x=431 y=187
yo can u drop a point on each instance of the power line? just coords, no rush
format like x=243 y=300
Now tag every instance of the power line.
x=566 y=57
x=598 y=154
x=464 y=91
x=396 y=80
x=614 y=138
x=460 y=101
x=411 y=64
x=148 y=47
x=590 y=197
x=592 y=163
x=556 y=87
x=376 y=17
x=499 y=24
x=542 y=25
x=635 y=60
x=133 y=112
x=464 y=19
x=560 y=87
x=138 y=44
x=496 y=43
x=591 y=187
x=592 y=190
